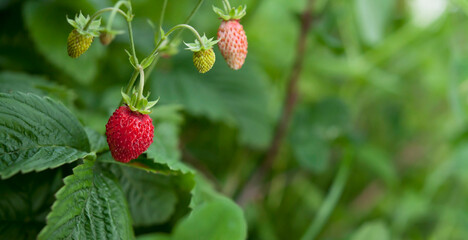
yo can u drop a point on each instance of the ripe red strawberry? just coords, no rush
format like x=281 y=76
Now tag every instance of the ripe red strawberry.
x=129 y=133
x=232 y=43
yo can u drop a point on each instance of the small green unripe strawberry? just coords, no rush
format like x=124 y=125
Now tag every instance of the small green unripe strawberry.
x=82 y=35
x=106 y=38
x=77 y=43
x=203 y=54
x=204 y=60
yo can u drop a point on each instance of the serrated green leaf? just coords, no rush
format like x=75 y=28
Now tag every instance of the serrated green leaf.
x=151 y=197
x=142 y=163
x=223 y=95
x=97 y=141
x=165 y=149
x=91 y=205
x=37 y=133
x=50 y=37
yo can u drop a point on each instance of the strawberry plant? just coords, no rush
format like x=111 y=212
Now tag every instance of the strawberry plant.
x=127 y=178
x=233 y=119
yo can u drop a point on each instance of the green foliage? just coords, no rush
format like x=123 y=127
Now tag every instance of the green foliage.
x=154 y=236
x=49 y=34
x=373 y=18
x=152 y=198
x=164 y=149
x=213 y=217
x=25 y=202
x=97 y=142
x=383 y=88
x=15 y=81
x=91 y=205
x=314 y=130
x=38 y=133
x=223 y=95
x=216 y=219
x=372 y=230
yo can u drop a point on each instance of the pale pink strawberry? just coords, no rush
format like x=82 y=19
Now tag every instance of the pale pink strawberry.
x=232 y=43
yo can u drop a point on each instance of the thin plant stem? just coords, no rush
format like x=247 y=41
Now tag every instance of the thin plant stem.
x=189 y=18
x=132 y=43
x=96 y=14
x=194 y=10
x=181 y=26
x=187 y=21
x=130 y=84
x=114 y=11
x=331 y=200
x=163 y=12
x=151 y=67
x=177 y=27
x=142 y=82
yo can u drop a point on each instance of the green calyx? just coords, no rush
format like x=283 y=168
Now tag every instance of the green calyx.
x=81 y=25
x=138 y=103
x=205 y=44
x=231 y=14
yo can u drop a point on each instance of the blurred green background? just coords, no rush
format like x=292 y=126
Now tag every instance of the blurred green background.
x=383 y=80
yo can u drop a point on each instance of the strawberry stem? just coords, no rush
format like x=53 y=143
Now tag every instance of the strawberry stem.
x=132 y=42
x=142 y=82
x=96 y=14
x=130 y=84
x=163 y=11
x=187 y=20
x=114 y=11
x=177 y=27
x=155 y=50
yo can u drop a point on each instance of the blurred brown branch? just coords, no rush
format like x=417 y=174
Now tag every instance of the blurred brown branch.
x=252 y=189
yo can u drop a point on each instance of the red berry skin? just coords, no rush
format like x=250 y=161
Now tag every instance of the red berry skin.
x=232 y=43
x=129 y=134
